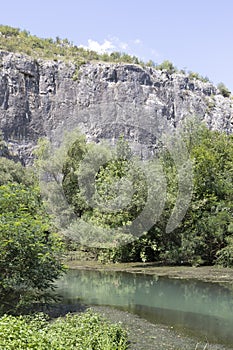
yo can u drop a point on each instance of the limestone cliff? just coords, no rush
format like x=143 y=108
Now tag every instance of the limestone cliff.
x=43 y=98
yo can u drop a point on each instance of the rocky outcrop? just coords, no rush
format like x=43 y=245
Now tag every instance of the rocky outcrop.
x=44 y=98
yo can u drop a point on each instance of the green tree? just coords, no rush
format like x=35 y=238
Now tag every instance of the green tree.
x=116 y=174
x=70 y=169
x=207 y=224
x=224 y=90
x=8 y=31
x=104 y=187
x=11 y=171
x=109 y=190
x=167 y=65
x=205 y=234
x=30 y=254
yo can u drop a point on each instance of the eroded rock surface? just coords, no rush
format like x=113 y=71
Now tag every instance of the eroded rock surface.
x=43 y=98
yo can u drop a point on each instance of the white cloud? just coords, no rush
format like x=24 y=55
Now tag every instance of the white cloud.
x=137 y=41
x=118 y=44
x=106 y=46
x=123 y=46
x=134 y=47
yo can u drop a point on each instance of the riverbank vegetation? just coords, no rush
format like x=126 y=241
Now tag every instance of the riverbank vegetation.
x=32 y=247
x=203 y=237
x=30 y=250
x=82 y=331
x=31 y=255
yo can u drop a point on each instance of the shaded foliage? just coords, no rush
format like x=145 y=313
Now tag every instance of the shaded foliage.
x=108 y=190
x=224 y=90
x=11 y=171
x=30 y=254
x=205 y=234
x=117 y=173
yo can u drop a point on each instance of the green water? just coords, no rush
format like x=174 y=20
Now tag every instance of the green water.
x=201 y=309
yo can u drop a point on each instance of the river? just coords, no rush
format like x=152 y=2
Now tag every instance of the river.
x=200 y=309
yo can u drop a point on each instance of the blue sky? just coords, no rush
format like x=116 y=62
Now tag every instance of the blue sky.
x=195 y=35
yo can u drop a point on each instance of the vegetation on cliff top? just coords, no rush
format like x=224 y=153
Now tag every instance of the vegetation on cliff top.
x=21 y=41
x=16 y=40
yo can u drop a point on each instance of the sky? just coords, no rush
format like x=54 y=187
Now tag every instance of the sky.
x=194 y=35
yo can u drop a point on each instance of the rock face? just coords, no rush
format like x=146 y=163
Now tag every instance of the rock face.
x=44 y=98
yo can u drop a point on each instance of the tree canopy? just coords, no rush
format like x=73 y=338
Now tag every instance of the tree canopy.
x=30 y=253
x=109 y=190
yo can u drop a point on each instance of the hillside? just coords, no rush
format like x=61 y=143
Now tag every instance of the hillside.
x=48 y=86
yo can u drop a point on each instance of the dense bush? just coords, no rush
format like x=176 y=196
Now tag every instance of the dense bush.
x=224 y=90
x=197 y=76
x=30 y=252
x=205 y=234
x=84 y=331
x=167 y=65
x=11 y=172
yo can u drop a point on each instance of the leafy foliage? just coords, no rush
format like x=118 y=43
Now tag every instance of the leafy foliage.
x=11 y=170
x=224 y=90
x=197 y=76
x=208 y=221
x=205 y=235
x=167 y=65
x=30 y=254
x=115 y=180
x=16 y=40
x=75 y=154
x=84 y=331
x=14 y=172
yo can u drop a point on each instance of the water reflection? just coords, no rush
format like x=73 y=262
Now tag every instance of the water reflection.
x=199 y=308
